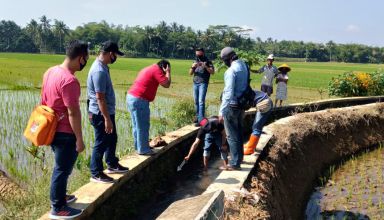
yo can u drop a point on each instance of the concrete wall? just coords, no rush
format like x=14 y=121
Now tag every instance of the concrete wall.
x=122 y=199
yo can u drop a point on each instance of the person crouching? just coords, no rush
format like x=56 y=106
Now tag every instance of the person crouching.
x=264 y=106
x=213 y=133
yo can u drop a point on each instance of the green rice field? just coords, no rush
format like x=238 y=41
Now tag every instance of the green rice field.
x=21 y=77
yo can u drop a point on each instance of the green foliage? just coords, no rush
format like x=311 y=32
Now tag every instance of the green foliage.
x=252 y=58
x=182 y=113
x=36 y=201
x=357 y=84
x=173 y=40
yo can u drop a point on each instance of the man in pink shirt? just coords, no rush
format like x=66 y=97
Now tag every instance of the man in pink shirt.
x=139 y=95
x=61 y=92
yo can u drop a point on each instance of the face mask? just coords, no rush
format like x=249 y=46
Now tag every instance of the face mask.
x=113 y=59
x=201 y=57
x=227 y=62
x=83 y=65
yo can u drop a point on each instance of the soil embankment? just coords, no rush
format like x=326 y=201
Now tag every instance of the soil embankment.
x=8 y=188
x=301 y=148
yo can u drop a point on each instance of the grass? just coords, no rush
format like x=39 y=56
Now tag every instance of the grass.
x=20 y=80
x=355 y=187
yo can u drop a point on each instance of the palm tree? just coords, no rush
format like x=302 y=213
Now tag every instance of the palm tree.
x=45 y=31
x=60 y=30
x=149 y=34
x=33 y=30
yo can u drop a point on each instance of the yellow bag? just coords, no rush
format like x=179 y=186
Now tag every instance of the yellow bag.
x=41 y=126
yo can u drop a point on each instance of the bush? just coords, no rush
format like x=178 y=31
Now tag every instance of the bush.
x=357 y=84
x=182 y=113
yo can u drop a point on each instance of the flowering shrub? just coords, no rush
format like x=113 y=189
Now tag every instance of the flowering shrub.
x=357 y=84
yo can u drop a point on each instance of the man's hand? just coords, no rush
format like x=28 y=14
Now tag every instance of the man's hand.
x=186 y=158
x=194 y=65
x=167 y=69
x=108 y=126
x=80 y=145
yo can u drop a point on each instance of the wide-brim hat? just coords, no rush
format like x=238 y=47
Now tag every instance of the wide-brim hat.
x=284 y=66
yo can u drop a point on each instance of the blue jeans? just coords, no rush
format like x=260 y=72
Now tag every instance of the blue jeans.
x=260 y=120
x=64 y=148
x=199 y=93
x=211 y=139
x=233 y=123
x=140 y=116
x=104 y=144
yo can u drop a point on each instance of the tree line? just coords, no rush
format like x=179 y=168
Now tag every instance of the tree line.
x=172 y=41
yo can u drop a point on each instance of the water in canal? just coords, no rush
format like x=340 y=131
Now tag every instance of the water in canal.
x=355 y=190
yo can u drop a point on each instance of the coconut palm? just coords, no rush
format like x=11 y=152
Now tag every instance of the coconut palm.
x=60 y=30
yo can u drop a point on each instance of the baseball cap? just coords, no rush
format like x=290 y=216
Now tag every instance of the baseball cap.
x=203 y=122
x=109 y=46
x=224 y=54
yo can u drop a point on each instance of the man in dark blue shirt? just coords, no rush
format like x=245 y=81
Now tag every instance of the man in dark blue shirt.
x=213 y=133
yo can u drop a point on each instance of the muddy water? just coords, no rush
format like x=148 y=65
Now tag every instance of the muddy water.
x=189 y=182
x=354 y=191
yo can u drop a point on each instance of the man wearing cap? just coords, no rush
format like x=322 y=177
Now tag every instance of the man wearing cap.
x=235 y=83
x=270 y=72
x=213 y=133
x=263 y=106
x=102 y=101
x=201 y=69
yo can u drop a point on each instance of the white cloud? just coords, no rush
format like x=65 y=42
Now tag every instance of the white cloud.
x=205 y=3
x=352 y=28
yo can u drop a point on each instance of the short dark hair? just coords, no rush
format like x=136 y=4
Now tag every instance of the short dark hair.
x=76 y=48
x=163 y=63
x=200 y=49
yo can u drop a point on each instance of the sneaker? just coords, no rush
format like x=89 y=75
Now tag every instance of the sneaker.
x=149 y=153
x=102 y=178
x=70 y=198
x=117 y=169
x=65 y=212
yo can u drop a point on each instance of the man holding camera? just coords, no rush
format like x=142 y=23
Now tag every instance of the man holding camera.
x=201 y=69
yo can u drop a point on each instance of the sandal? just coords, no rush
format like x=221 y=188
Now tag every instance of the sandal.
x=223 y=168
x=231 y=168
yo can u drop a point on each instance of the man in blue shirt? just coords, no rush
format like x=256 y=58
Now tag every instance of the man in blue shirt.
x=235 y=83
x=102 y=101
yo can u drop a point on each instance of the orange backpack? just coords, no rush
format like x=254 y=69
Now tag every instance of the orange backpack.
x=41 y=126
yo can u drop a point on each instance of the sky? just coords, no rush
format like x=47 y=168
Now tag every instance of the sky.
x=342 y=21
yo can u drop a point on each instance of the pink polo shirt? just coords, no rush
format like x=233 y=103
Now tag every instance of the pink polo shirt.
x=61 y=90
x=147 y=82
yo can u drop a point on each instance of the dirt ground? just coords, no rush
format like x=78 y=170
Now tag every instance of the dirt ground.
x=300 y=150
x=8 y=188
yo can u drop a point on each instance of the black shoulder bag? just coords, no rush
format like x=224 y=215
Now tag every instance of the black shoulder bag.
x=247 y=98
